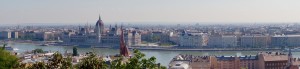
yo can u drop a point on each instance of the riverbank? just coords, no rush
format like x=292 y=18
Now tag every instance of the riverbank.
x=199 y=49
x=162 y=48
x=163 y=56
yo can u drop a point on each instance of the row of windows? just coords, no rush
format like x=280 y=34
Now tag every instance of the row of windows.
x=275 y=64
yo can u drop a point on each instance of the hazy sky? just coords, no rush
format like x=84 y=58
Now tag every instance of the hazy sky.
x=82 y=11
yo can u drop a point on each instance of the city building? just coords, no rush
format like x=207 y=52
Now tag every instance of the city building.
x=229 y=41
x=5 y=35
x=255 y=41
x=191 y=39
x=227 y=62
x=136 y=38
x=112 y=39
x=45 y=36
x=109 y=38
x=180 y=62
x=215 y=40
x=175 y=38
x=285 y=40
x=248 y=62
x=263 y=60
x=201 y=62
x=15 y=35
x=272 y=60
x=99 y=27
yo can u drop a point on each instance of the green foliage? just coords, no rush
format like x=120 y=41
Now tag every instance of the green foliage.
x=67 y=63
x=38 y=51
x=137 y=62
x=21 y=66
x=91 y=62
x=117 y=64
x=3 y=47
x=56 y=62
x=7 y=61
x=38 y=65
x=75 y=52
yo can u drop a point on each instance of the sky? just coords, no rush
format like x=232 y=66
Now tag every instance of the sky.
x=169 y=11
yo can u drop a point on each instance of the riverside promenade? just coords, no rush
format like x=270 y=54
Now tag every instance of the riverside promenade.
x=200 y=49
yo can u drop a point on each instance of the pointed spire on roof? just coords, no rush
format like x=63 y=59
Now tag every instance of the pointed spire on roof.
x=110 y=26
x=122 y=26
x=99 y=17
x=290 y=52
x=123 y=48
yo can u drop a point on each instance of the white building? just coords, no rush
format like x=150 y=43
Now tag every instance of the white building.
x=215 y=41
x=285 y=40
x=229 y=41
x=255 y=41
x=175 y=39
x=5 y=35
x=191 y=39
x=14 y=35
x=180 y=65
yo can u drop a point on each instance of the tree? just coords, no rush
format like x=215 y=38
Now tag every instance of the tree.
x=7 y=61
x=142 y=62
x=75 y=52
x=117 y=64
x=38 y=51
x=38 y=65
x=67 y=63
x=138 y=61
x=91 y=62
x=3 y=47
x=57 y=61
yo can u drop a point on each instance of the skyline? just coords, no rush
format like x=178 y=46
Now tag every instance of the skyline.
x=175 y=11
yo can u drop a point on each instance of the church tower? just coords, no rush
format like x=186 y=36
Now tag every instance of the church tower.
x=123 y=48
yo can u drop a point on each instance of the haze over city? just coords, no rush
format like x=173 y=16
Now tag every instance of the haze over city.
x=149 y=34
x=139 y=11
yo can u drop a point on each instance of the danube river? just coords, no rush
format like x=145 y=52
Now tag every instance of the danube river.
x=163 y=57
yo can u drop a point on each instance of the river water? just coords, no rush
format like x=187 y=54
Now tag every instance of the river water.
x=163 y=57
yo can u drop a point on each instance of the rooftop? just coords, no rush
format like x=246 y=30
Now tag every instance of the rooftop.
x=274 y=56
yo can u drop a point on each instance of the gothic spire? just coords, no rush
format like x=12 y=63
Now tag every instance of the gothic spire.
x=99 y=17
x=290 y=52
x=110 y=26
x=122 y=25
x=123 y=48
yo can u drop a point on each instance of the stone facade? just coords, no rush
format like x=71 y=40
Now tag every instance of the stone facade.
x=263 y=60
